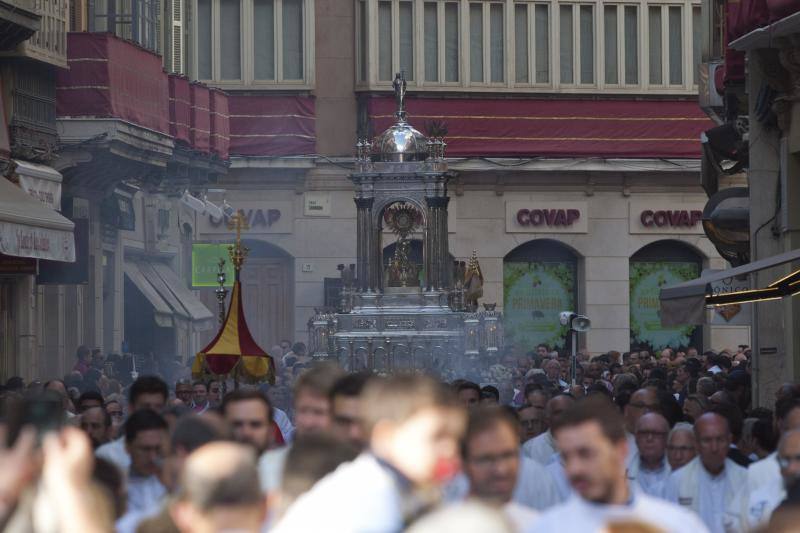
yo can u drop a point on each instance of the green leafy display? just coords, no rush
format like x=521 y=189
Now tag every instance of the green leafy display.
x=533 y=295
x=646 y=281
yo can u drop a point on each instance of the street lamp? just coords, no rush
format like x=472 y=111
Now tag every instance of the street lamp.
x=575 y=323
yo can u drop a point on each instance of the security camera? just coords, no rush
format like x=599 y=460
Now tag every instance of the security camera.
x=192 y=202
x=213 y=210
x=564 y=317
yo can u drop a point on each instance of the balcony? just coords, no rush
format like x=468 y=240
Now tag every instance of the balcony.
x=19 y=21
x=49 y=43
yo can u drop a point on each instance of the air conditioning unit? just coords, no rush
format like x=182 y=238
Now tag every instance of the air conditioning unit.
x=709 y=92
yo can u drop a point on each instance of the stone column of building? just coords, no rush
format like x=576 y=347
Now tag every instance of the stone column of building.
x=437 y=261
x=364 y=243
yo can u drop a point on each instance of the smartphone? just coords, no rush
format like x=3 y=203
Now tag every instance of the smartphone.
x=44 y=412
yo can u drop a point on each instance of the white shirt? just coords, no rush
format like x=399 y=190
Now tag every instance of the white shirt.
x=540 y=448
x=270 y=468
x=712 y=492
x=145 y=494
x=363 y=496
x=579 y=516
x=284 y=424
x=524 y=518
x=535 y=488
x=764 y=472
x=559 y=476
x=650 y=481
x=115 y=453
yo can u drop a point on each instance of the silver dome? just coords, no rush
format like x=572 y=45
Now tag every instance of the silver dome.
x=400 y=142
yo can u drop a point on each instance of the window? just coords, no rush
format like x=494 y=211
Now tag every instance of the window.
x=395 y=39
x=576 y=43
x=136 y=20
x=621 y=44
x=532 y=43
x=666 y=45
x=486 y=42
x=550 y=45
x=245 y=42
x=440 y=34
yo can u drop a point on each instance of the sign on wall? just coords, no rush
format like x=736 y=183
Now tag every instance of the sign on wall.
x=646 y=280
x=547 y=217
x=533 y=296
x=317 y=204
x=664 y=217
x=205 y=265
x=261 y=217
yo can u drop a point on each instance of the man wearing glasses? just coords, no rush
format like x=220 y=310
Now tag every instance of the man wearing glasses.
x=649 y=467
x=681 y=446
x=709 y=483
x=756 y=510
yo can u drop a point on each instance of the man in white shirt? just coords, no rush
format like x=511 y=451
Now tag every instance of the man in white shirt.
x=591 y=438
x=767 y=470
x=147 y=392
x=414 y=425
x=708 y=484
x=542 y=448
x=145 y=442
x=757 y=507
x=649 y=467
x=312 y=414
x=491 y=457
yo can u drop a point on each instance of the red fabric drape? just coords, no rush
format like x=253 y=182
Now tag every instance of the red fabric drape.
x=220 y=124
x=110 y=77
x=200 y=132
x=272 y=125
x=555 y=128
x=180 y=114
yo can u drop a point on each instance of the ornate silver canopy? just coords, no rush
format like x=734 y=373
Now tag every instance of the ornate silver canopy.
x=401 y=142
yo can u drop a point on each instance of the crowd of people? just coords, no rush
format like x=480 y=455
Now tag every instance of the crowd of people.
x=637 y=441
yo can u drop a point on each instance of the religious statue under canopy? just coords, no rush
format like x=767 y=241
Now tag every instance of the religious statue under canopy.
x=473 y=283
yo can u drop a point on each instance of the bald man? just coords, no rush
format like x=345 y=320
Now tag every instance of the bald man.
x=220 y=491
x=649 y=467
x=709 y=483
x=543 y=447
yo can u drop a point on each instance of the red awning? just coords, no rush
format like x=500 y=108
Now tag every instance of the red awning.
x=272 y=125
x=200 y=130
x=220 y=124
x=555 y=128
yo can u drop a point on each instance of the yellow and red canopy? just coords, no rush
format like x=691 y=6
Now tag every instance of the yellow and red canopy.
x=233 y=344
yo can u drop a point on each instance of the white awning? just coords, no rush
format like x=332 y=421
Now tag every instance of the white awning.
x=30 y=229
x=43 y=183
x=200 y=315
x=162 y=311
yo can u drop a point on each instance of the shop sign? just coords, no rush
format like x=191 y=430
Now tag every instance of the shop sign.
x=546 y=217
x=646 y=280
x=10 y=265
x=261 y=217
x=533 y=295
x=649 y=217
x=41 y=243
x=729 y=315
x=205 y=265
